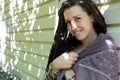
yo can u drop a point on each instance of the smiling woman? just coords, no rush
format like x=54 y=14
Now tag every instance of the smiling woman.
x=27 y=28
x=81 y=33
x=76 y=19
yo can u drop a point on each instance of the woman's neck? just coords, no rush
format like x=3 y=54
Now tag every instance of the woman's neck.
x=90 y=39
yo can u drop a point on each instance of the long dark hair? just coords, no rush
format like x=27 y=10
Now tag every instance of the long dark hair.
x=66 y=42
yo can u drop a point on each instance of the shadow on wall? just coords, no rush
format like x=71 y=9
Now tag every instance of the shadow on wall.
x=28 y=36
x=110 y=10
x=113 y=20
x=2 y=40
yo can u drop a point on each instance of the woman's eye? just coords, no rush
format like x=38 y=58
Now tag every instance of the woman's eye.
x=77 y=19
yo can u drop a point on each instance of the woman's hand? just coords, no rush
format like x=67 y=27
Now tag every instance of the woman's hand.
x=64 y=61
x=70 y=75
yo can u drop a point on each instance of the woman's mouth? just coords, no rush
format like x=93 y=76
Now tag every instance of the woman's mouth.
x=77 y=32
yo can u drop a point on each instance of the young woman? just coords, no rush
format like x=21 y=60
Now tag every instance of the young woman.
x=82 y=50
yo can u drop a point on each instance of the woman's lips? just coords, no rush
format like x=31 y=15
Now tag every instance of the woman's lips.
x=78 y=32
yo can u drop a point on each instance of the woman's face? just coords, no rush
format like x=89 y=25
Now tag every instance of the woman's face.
x=79 y=23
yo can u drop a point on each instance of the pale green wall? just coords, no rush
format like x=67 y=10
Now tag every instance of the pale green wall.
x=30 y=28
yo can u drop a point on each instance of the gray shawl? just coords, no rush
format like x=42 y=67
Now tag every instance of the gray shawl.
x=98 y=61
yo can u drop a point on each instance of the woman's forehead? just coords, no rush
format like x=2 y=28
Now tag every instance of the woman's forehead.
x=73 y=12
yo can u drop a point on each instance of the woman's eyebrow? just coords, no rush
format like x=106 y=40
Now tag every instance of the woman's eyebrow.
x=66 y=20
x=76 y=15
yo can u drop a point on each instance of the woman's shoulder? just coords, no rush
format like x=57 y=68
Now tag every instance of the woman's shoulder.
x=103 y=42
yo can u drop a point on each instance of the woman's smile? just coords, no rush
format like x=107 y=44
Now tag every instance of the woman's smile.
x=77 y=32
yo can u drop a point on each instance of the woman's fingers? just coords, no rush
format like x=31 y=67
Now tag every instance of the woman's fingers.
x=73 y=56
x=70 y=75
x=65 y=61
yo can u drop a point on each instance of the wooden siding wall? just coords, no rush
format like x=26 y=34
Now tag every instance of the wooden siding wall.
x=30 y=29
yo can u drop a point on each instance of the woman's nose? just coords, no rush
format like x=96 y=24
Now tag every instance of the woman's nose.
x=73 y=25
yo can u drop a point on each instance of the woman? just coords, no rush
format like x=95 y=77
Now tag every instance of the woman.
x=82 y=50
